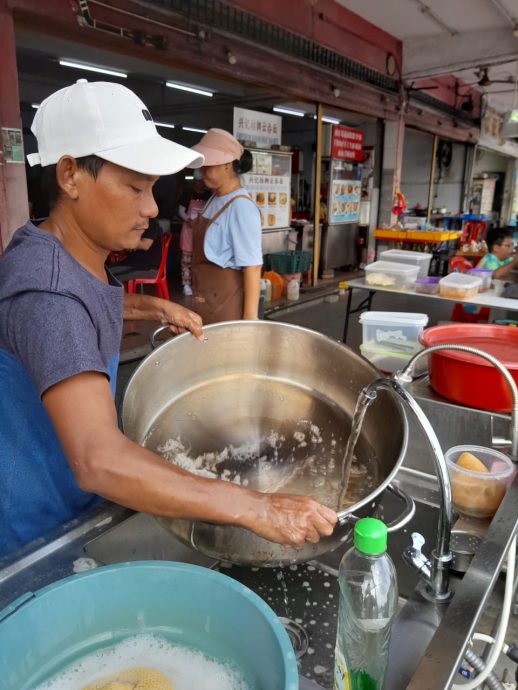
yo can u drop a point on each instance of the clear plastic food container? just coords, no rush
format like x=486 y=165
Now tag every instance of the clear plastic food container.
x=429 y=285
x=393 y=331
x=485 y=275
x=404 y=256
x=479 y=493
x=459 y=286
x=389 y=362
x=391 y=275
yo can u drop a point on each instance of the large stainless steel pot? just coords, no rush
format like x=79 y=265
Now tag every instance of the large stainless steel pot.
x=273 y=403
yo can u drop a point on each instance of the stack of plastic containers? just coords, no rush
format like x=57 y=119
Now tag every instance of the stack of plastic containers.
x=390 y=339
x=403 y=256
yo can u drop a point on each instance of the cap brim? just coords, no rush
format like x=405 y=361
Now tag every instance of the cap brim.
x=212 y=156
x=155 y=156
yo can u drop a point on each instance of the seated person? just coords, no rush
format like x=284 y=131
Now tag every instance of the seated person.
x=499 y=257
x=144 y=260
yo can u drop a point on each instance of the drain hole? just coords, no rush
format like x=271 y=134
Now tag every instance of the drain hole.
x=298 y=636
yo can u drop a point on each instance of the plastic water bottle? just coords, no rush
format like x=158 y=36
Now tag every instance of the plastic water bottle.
x=368 y=602
x=293 y=290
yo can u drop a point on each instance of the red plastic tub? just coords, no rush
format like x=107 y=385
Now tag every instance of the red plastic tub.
x=467 y=379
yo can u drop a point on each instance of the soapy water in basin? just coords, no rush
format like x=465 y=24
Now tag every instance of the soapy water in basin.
x=184 y=668
x=294 y=443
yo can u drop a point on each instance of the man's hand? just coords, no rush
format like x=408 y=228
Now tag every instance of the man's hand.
x=291 y=520
x=150 y=308
x=181 y=319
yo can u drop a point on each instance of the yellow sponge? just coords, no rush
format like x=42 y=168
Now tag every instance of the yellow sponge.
x=468 y=461
x=133 y=679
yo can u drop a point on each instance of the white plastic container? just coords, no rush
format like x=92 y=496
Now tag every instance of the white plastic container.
x=391 y=275
x=389 y=362
x=485 y=275
x=396 y=332
x=293 y=290
x=403 y=256
x=459 y=286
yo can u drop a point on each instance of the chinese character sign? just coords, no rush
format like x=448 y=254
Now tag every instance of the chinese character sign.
x=263 y=128
x=347 y=143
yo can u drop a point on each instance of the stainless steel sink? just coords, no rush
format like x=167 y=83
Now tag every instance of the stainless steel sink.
x=141 y=538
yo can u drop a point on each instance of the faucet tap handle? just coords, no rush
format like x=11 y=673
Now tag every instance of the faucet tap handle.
x=415 y=558
x=418 y=541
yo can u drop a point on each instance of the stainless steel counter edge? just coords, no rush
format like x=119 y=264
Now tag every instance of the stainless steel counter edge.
x=439 y=663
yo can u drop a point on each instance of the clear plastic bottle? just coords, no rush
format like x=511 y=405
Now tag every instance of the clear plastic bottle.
x=293 y=290
x=368 y=603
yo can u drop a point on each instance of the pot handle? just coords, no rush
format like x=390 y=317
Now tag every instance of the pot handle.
x=152 y=337
x=408 y=513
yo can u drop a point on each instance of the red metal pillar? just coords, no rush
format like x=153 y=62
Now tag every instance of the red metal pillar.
x=14 y=207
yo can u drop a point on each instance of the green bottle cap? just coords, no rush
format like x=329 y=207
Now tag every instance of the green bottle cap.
x=370 y=536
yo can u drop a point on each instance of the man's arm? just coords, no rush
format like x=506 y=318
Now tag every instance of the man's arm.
x=150 y=308
x=105 y=462
x=252 y=289
x=501 y=272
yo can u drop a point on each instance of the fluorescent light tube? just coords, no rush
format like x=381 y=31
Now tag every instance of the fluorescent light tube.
x=194 y=129
x=191 y=89
x=93 y=68
x=331 y=120
x=35 y=106
x=164 y=124
x=189 y=177
x=288 y=111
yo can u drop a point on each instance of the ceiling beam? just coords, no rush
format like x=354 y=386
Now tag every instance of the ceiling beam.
x=432 y=56
x=513 y=21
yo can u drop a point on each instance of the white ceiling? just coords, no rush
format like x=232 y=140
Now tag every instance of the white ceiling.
x=452 y=37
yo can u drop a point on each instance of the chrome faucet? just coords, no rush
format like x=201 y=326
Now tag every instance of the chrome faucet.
x=405 y=376
x=434 y=571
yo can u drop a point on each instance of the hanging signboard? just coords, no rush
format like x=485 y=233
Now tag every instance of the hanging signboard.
x=261 y=129
x=347 y=143
x=12 y=145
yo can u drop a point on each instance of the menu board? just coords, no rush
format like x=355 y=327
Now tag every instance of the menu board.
x=345 y=201
x=269 y=184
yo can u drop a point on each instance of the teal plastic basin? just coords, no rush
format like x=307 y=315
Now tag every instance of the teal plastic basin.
x=43 y=633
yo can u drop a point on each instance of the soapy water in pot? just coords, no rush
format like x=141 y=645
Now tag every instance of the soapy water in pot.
x=269 y=454
x=180 y=667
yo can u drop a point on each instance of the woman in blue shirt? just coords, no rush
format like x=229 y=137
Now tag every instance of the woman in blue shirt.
x=227 y=255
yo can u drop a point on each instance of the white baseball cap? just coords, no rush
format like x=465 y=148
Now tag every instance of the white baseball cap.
x=107 y=120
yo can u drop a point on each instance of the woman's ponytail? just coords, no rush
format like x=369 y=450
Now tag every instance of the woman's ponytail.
x=244 y=164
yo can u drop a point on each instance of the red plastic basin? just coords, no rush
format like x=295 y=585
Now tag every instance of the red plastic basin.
x=468 y=379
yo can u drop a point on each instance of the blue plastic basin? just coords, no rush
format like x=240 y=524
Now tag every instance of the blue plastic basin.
x=186 y=604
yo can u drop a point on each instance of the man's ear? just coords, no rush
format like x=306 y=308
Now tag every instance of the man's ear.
x=66 y=176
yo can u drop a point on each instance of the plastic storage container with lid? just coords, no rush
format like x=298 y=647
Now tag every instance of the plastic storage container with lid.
x=393 y=331
x=479 y=493
x=429 y=285
x=459 y=286
x=485 y=275
x=391 y=275
x=403 y=256
x=388 y=361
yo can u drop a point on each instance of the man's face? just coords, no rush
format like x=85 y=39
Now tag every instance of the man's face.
x=114 y=209
x=504 y=250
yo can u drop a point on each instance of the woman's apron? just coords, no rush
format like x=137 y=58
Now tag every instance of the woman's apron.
x=217 y=292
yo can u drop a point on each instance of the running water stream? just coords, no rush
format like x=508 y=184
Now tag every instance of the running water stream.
x=362 y=405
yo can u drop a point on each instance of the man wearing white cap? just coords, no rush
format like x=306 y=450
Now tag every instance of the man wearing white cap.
x=60 y=327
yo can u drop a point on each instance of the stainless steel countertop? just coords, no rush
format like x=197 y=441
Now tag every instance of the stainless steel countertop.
x=427 y=641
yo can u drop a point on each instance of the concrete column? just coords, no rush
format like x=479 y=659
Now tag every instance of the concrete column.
x=14 y=207
x=391 y=168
